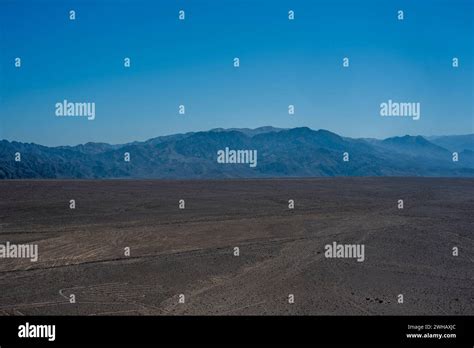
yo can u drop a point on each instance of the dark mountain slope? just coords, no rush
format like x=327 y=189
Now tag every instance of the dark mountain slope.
x=297 y=152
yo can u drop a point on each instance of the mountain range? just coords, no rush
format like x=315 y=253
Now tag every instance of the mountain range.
x=296 y=152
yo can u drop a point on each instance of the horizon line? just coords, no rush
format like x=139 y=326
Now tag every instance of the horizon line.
x=233 y=129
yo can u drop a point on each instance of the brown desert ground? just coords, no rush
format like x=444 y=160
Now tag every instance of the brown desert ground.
x=191 y=251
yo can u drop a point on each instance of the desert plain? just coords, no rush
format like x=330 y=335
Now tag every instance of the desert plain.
x=192 y=251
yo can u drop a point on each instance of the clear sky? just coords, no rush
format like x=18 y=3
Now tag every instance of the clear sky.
x=191 y=62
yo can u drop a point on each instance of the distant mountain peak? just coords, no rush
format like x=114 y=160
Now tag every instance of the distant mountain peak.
x=407 y=139
x=249 y=131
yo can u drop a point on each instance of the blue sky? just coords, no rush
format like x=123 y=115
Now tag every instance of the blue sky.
x=191 y=62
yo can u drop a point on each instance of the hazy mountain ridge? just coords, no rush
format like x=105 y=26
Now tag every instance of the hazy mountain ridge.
x=452 y=143
x=296 y=152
